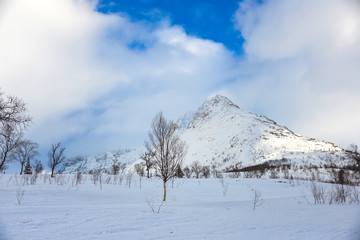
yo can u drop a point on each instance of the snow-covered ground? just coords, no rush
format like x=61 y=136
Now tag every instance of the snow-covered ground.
x=195 y=209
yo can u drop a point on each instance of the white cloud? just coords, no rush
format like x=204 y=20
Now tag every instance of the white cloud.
x=95 y=81
x=304 y=57
x=83 y=82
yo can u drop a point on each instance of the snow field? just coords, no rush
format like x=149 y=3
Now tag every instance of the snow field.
x=195 y=209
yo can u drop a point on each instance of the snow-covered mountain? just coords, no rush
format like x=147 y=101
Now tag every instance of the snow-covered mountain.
x=224 y=134
x=102 y=162
x=221 y=133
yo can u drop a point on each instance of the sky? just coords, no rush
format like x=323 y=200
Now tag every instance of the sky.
x=95 y=73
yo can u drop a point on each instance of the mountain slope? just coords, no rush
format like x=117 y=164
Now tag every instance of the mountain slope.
x=224 y=134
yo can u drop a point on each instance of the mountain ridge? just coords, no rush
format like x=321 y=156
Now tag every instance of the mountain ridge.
x=223 y=134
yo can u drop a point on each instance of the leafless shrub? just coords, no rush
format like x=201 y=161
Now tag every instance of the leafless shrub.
x=354 y=195
x=217 y=174
x=121 y=178
x=257 y=199
x=115 y=167
x=33 y=178
x=249 y=174
x=129 y=179
x=19 y=195
x=100 y=180
x=291 y=181
x=286 y=173
x=9 y=181
x=24 y=179
x=339 y=194
x=107 y=180
x=235 y=174
x=205 y=171
x=152 y=206
x=140 y=169
x=59 y=179
x=274 y=174
x=318 y=193
x=44 y=178
x=187 y=171
x=196 y=168
x=95 y=175
x=258 y=173
x=78 y=178
x=115 y=179
x=224 y=186
x=313 y=176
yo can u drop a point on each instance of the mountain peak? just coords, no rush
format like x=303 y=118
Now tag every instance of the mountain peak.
x=213 y=105
x=219 y=100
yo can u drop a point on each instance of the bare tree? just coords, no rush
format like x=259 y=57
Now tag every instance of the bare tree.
x=13 y=111
x=38 y=167
x=167 y=148
x=196 y=168
x=24 y=150
x=56 y=156
x=10 y=138
x=147 y=156
x=355 y=155
x=115 y=167
x=139 y=169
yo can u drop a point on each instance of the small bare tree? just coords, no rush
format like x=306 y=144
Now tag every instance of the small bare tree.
x=257 y=199
x=38 y=167
x=56 y=156
x=319 y=193
x=196 y=168
x=26 y=149
x=139 y=169
x=167 y=148
x=19 y=195
x=355 y=155
x=146 y=157
x=115 y=167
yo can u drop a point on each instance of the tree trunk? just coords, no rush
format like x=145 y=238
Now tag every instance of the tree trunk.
x=164 y=199
x=148 y=173
x=22 y=166
x=2 y=164
x=52 y=171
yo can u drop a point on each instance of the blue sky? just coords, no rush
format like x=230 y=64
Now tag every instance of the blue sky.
x=95 y=73
x=204 y=19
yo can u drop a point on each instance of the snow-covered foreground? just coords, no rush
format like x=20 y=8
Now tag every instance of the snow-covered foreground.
x=195 y=209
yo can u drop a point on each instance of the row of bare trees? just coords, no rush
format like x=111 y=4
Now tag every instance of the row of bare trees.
x=14 y=120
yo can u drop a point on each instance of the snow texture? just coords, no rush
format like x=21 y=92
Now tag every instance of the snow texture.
x=196 y=209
